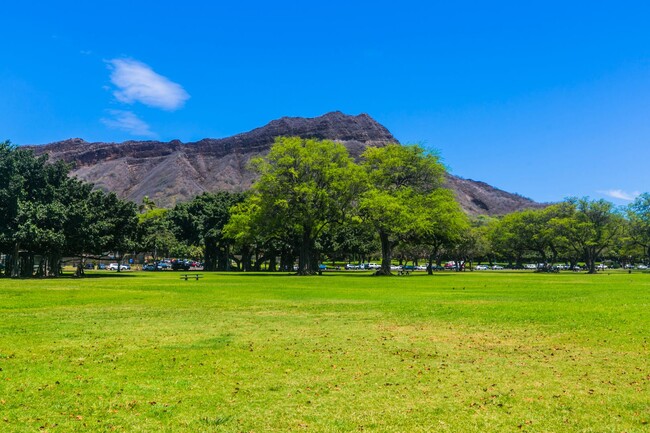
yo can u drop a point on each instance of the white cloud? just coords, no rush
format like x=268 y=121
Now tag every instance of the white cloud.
x=129 y=122
x=620 y=194
x=137 y=82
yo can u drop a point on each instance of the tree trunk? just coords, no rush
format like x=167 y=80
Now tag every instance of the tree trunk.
x=222 y=258
x=80 y=270
x=210 y=257
x=590 y=258
x=246 y=256
x=54 y=265
x=15 y=262
x=272 y=262
x=27 y=266
x=386 y=254
x=305 y=254
x=286 y=261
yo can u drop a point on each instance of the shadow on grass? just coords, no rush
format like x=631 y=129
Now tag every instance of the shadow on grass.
x=330 y=274
x=100 y=275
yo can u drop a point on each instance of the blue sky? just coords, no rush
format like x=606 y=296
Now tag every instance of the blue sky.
x=548 y=99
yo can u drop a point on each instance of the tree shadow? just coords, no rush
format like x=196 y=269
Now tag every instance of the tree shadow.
x=107 y=275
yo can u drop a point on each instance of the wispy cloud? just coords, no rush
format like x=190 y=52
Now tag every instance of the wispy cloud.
x=129 y=122
x=137 y=82
x=620 y=194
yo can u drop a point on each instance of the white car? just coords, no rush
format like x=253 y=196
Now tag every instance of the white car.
x=497 y=267
x=481 y=268
x=113 y=267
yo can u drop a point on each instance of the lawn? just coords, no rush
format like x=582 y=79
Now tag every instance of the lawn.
x=343 y=352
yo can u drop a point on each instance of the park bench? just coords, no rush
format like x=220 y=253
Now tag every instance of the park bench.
x=193 y=276
x=402 y=272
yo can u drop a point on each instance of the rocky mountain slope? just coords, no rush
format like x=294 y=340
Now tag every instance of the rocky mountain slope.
x=173 y=171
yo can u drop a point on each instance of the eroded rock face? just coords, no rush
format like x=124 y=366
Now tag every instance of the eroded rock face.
x=169 y=172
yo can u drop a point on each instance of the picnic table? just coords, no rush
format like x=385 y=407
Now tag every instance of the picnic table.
x=191 y=276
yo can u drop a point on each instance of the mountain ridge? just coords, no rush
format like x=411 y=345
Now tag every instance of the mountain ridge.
x=173 y=171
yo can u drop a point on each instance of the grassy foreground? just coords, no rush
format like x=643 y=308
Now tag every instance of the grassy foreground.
x=488 y=352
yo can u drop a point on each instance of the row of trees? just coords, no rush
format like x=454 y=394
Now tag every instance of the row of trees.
x=45 y=213
x=312 y=201
x=575 y=230
x=311 y=198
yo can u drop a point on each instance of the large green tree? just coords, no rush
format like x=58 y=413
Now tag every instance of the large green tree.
x=401 y=178
x=638 y=214
x=36 y=199
x=304 y=187
x=200 y=222
x=154 y=234
x=45 y=213
x=588 y=227
x=442 y=224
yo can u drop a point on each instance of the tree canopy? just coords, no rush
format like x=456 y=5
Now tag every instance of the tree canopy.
x=311 y=199
x=400 y=180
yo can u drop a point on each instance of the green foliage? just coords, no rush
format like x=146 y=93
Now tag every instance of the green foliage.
x=638 y=214
x=201 y=222
x=402 y=196
x=588 y=227
x=576 y=229
x=45 y=213
x=304 y=187
x=154 y=234
x=396 y=168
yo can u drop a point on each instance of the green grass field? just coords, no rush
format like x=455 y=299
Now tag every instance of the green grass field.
x=470 y=352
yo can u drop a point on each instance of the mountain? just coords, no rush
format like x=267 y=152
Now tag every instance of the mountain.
x=169 y=172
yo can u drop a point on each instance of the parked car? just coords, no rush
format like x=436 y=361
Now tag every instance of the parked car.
x=113 y=267
x=181 y=265
x=641 y=267
x=350 y=266
x=481 y=268
x=497 y=267
x=149 y=267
